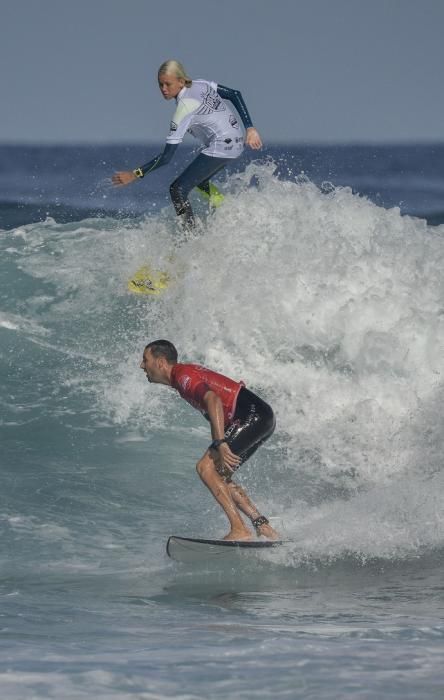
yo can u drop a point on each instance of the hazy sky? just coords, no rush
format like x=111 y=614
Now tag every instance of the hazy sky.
x=309 y=70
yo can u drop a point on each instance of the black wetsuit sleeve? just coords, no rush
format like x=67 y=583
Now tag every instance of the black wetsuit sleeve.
x=162 y=159
x=237 y=100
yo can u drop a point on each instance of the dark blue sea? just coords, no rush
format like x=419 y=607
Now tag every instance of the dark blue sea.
x=320 y=283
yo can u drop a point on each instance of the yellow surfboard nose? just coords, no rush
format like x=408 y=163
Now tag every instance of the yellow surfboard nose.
x=148 y=281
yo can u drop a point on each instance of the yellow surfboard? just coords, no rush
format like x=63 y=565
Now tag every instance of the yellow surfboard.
x=148 y=281
x=152 y=282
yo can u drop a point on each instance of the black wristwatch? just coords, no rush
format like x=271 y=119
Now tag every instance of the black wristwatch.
x=215 y=444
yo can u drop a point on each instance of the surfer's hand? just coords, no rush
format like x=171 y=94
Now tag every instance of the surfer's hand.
x=226 y=459
x=253 y=139
x=123 y=178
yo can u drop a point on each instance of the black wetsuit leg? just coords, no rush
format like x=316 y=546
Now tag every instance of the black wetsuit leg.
x=197 y=173
x=253 y=423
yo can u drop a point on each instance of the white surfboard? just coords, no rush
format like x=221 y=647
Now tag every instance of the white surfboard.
x=191 y=549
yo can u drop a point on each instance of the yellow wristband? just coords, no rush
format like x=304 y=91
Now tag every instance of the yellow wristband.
x=138 y=172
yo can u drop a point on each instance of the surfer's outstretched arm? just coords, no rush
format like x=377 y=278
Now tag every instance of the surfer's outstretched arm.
x=127 y=176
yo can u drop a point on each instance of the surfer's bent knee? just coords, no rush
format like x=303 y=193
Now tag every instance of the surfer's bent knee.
x=203 y=465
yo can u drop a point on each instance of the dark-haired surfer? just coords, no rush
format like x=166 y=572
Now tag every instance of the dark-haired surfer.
x=240 y=422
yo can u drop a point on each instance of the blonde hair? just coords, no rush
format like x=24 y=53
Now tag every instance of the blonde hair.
x=175 y=68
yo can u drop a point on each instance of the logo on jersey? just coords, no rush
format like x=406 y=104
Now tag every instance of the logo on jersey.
x=211 y=102
x=233 y=121
x=173 y=126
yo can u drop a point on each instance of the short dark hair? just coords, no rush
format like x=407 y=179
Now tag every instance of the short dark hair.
x=163 y=348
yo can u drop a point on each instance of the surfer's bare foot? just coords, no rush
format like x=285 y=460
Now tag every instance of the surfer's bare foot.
x=238 y=535
x=267 y=531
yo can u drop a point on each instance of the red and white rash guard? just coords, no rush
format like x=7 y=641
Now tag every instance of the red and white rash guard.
x=193 y=381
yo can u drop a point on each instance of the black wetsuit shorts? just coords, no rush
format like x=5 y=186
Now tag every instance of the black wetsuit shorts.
x=253 y=423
